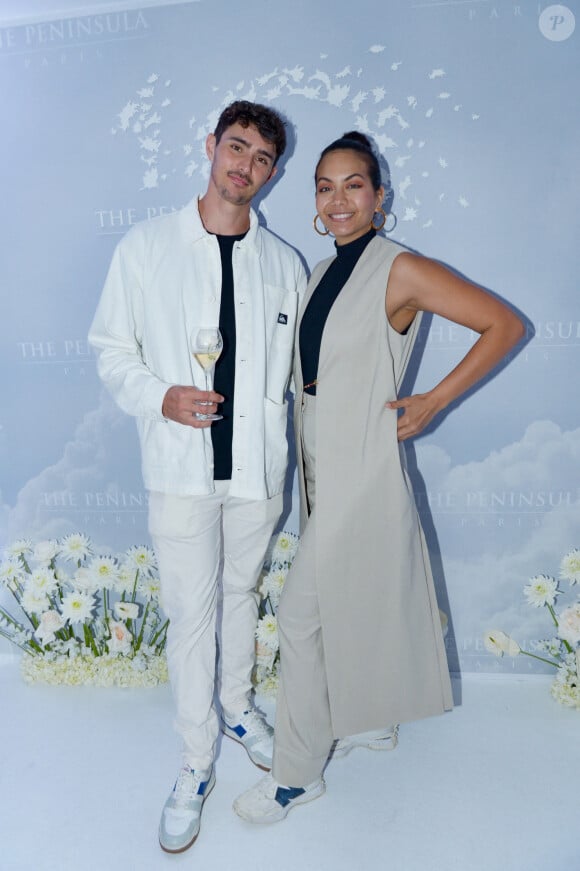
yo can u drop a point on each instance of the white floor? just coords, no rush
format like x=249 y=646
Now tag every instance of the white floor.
x=494 y=785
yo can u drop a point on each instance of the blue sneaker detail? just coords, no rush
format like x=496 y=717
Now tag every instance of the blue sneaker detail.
x=239 y=730
x=180 y=820
x=285 y=794
x=254 y=734
x=269 y=801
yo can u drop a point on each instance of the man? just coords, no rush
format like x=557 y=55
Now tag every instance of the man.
x=215 y=488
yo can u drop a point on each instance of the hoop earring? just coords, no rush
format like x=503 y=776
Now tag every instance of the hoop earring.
x=320 y=233
x=380 y=227
x=394 y=224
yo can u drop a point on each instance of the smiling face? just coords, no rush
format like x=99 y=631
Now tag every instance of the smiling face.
x=345 y=197
x=241 y=163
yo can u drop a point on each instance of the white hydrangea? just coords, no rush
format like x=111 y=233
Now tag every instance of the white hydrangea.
x=553 y=646
x=566 y=686
x=102 y=671
x=267 y=683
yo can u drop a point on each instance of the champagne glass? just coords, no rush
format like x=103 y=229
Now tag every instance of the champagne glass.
x=206 y=346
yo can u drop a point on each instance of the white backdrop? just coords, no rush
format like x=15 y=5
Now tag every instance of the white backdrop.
x=473 y=105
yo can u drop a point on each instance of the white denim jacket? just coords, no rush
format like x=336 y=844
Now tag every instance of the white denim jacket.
x=164 y=283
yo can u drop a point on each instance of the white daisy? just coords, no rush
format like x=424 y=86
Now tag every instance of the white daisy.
x=267 y=631
x=570 y=566
x=272 y=585
x=76 y=546
x=22 y=547
x=43 y=581
x=285 y=548
x=125 y=578
x=11 y=571
x=105 y=571
x=78 y=606
x=541 y=590
x=149 y=587
x=142 y=558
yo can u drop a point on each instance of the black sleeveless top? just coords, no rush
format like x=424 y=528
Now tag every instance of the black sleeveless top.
x=321 y=301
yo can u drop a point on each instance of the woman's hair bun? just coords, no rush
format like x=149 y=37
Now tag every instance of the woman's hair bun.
x=360 y=144
x=357 y=136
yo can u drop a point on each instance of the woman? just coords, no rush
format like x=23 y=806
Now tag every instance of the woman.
x=360 y=634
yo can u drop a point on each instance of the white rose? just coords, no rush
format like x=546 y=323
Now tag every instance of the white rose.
x=50 y=622
x=264 y=656
x=569 y=624
x=45 y=551
x=120 y=641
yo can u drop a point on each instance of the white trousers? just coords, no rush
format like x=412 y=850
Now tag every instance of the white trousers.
x=303 y=735
x=207 y=545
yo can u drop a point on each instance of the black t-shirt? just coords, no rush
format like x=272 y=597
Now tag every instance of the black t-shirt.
x=222 y=431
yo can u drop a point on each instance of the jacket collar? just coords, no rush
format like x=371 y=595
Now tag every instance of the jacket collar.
x=195 y=231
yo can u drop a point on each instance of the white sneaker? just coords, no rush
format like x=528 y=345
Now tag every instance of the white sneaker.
x=180 y=820
x=253 y=732
x=383 y=739
x=268 y=801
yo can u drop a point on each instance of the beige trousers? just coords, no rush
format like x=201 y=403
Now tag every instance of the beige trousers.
x=303 y=733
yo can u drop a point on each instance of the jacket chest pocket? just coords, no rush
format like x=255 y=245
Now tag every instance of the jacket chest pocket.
x=281 y=311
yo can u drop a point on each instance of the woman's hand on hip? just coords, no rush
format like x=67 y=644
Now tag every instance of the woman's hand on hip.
x=417 y=412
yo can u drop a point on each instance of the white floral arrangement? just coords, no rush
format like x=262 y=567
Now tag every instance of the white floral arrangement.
x=83 y=618
x=562 y=650
x=279 y=558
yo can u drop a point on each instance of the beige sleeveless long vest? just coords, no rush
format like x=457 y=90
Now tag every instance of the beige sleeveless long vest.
x=383 y=644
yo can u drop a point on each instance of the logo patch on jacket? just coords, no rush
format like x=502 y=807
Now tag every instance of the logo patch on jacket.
x=282 y=318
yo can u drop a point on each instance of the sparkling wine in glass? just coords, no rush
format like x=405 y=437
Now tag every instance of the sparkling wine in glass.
x=206 y=347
